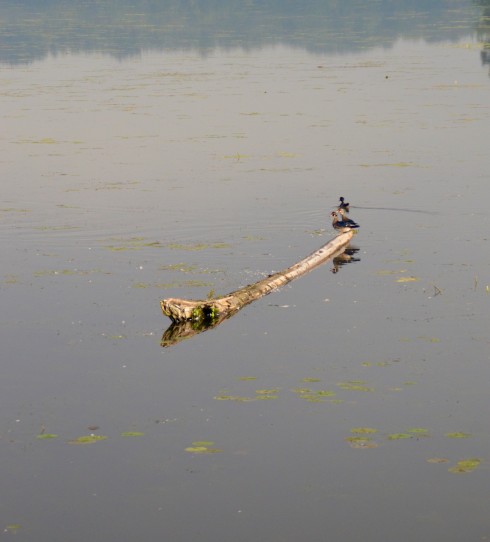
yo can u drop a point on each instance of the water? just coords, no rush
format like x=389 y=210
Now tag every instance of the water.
x=152 y=152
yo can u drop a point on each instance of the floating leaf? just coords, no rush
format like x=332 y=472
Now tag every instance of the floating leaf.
x=202 y=447
x=394 y=164
x=266 y=392
x=178 y=267
x=311 y=398
x=87 y=439
x=132 y=434
x=363 y=430
x=237 y=398
x=354 y=385
x=46 y=436
x=203 y=443
x=399 y=436
x=407 y=279
x=325 y=393
x=429 y=339
x=464 y=466
x=301 y=390
x=197 y=246
x=457 y=435
x=361 y=442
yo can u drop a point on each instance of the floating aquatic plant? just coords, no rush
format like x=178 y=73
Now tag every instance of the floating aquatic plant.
x=465 y=466
x=87 y=439
x=399 y=436
x=354 y=385
x=363 y=430
x=203 y=447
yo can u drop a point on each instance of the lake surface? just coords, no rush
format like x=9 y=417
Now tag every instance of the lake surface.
x=150 y=152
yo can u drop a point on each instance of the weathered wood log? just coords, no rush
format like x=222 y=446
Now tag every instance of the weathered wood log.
x=214 y=311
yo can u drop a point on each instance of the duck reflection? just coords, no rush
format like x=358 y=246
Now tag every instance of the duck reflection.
x=348 y=256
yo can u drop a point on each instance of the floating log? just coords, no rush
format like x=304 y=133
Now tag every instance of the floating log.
x=210 y=312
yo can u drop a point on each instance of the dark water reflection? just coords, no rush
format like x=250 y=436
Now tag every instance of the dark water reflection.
x=31 y=31
x=140 y=161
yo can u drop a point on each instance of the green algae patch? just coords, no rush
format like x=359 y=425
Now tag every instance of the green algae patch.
x=87 y=439
x=325 y=393
x=132 y=243
x=245 y=378
x=361 y=443
x=363 y=430
x=182 y=267
x=399 y=436
x=203 y=447
x=420 y=431
x=236 y=398
x=457 y=435
x=311 y=398
x=407 y=279
x=132 y=434
x=437 y=460
x=464 y=466
x=175 y=284
x=66 y=272
x=45 y=141
x=315 y=396
x=311 y=379
x=266 y=394
x=391 y=164
x=12 y=528
x=46 y=436
x=197 y=246
x=301 y=390
x=354 y=385
x=10 y=279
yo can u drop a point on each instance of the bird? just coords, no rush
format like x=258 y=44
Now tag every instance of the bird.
x=349 y=221
x=344 y=204
x=340 y=225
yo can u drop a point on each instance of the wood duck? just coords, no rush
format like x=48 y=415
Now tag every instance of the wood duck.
x=348 y=221
x=340 y=225
x=344 y=204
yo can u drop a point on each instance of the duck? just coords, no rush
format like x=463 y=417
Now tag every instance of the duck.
x=344 y=204
x=349 y=221
x=340 y=225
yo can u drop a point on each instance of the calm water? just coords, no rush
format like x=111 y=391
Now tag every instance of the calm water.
x=150 y=152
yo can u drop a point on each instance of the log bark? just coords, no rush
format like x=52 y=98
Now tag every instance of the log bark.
x=210 y=312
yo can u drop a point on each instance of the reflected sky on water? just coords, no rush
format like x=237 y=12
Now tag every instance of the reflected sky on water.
x=191 y=149
x=124 y=29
